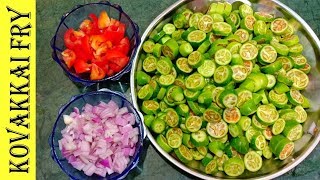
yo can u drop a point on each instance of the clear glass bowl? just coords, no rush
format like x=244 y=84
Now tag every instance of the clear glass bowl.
x=74 y=18
x=93 y=98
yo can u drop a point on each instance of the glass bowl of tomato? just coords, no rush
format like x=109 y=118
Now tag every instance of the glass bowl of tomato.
x=95 y=42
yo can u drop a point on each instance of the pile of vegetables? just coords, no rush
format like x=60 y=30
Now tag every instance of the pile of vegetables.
x=98 y=49
x=100 y=139
x=221 y=91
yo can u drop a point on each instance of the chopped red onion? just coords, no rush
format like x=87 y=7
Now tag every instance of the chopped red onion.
x=76 y=110
x=122 y=111
x=105 y=163
x=100 y=139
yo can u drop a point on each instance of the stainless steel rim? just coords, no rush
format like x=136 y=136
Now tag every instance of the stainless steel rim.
x=179 y=164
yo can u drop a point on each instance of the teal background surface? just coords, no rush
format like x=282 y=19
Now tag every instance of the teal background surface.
x=54 y=88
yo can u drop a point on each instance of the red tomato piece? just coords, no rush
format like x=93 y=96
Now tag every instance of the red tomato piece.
x=123 y=46
x=97 y=73
x=102 y=63
x=94 y=20
x=73 y=38
x=97 y=40
x=114 y=67
x=102 y=50
x=89 y=27
x=69 y=57
x=81 y=66
x=122 y=62
x=116 y=60
x=104 y=20
x=86 y=26
x=114 y=22
x=84 y=51
x=112 y=55
x=110 y=72
x=115 y=33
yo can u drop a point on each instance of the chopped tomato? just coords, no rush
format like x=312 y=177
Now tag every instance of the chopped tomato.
x=85 y=46
x=69 y=57
x=110 y=72
x=112 y=55
x=101 y=63
x=88 y=27
x=73 y=38
x=94 y=20
x=97 y=73
x=114 y=67
x=97 y=40
x=99 y=48
x=115 y=33
x=114 y=22
x=101 y=51
x=78 y=41
x=123 y=46
x=81 y=66
x=116 y=59
x=105 y=67
x=83 y=50
x=122 y=62
x=104 y=20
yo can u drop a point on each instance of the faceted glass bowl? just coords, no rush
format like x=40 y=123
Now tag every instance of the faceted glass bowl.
x=93 y=98
x=74 y=18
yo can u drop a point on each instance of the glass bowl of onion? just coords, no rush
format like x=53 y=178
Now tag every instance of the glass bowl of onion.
x=97 y=135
